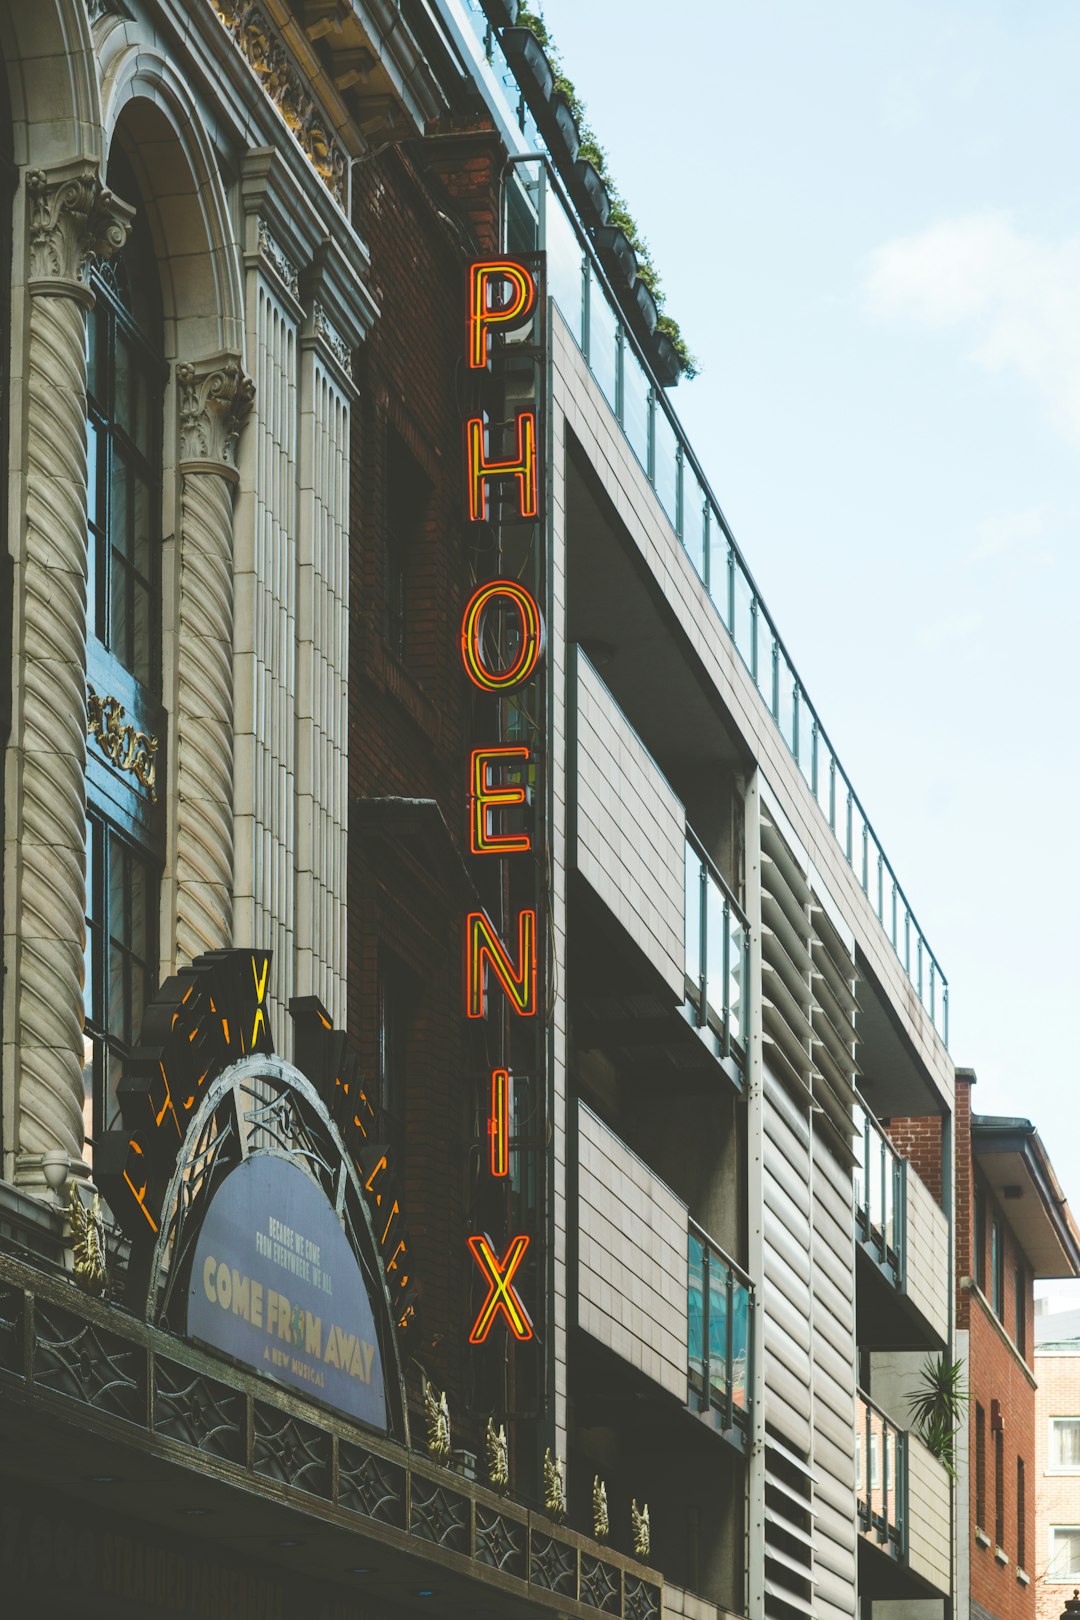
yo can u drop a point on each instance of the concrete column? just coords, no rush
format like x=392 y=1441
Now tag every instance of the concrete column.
x=214 y=400
x=73 y=221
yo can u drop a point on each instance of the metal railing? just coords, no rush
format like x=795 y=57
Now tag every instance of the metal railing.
x=717 y=950
x=879 y=1192
x=880 y=1474
x=720 y=1316
x=580 y=287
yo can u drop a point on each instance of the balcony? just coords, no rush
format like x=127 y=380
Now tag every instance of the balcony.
x=717 y=952
x=901 y=1231
x=720 y=1318
x=654 y=1288
x=674 y=939
x=904 y=1510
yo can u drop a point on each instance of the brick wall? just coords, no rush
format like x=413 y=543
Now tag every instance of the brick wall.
x=919 y=1140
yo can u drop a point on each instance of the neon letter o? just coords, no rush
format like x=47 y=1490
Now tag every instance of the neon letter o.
x=532 y=636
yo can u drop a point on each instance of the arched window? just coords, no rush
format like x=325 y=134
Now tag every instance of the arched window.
x=126 y=375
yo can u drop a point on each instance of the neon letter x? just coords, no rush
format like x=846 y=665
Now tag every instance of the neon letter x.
x=502 y=1295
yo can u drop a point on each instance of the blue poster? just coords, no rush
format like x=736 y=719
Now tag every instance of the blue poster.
x=275 y=1284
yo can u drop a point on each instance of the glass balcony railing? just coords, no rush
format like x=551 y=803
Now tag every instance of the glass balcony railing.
x=717 y=951
x=880 y=1474
x=879 y=1193
x=580 y=287
x=719 y=1332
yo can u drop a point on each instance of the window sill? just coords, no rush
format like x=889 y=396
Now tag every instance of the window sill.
x=981 y=1537
x=1022 y=1576
x=1001 y=1556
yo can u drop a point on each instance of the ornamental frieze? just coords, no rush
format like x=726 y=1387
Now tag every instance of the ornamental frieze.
x=252 y=34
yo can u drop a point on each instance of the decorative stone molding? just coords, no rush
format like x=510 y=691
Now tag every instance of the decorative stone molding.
x=215 y=399
x=74 y=222
x=278 y=260
x=256 y=40
x=332 y=338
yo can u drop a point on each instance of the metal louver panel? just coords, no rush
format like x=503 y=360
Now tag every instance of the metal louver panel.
x=789 y=1536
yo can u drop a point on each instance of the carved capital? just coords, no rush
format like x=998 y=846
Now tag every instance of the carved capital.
x=215 y=399
x=74 y=222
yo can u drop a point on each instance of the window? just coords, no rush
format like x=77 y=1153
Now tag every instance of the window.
x=980 y=1238
x=120 y=964
x=1065 y=1445
x=980 y=1466
x=125 y=827
x=1064 y=1553
x=407 y=494
x=999 y=1487
x=125 y=381
x=1020 y=1307
x=997 y=1268
x=1021 y=1509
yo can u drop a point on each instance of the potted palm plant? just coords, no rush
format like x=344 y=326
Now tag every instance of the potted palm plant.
x=936 y=1408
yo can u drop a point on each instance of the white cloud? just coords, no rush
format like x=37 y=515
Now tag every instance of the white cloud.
x=1007 y=531
x=1016 y=295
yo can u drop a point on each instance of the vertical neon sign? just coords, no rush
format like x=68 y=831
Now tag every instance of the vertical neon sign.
x=502 y=650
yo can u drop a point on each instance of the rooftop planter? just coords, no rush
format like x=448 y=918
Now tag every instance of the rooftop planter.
x=592 y=191
x=646 y=304
x=665 y=355
x=564 y=127
x=614 y=247
x=531 y=67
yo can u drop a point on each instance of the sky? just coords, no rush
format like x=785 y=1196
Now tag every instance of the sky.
x=865 y=217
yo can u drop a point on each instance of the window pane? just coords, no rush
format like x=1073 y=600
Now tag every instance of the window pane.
x=714 y=947
x=1065 y=1441
x=666 y=465
x=636 y=406
x=125 y=390
x=719 y=575
x=118 y=505
x=141 y=525
x=742 y=625
x=718 y=1370
x=1064 y=1553
x=142 y=646
x=564 y=265
x=693 y=914
x=696 y=1312
x=602 y=341
x=696 y=523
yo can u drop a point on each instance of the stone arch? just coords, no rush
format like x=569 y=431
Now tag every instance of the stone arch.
x=149 y=109
x=48 y=54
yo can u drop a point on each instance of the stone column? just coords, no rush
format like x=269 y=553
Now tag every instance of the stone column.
x=215 y=398
x=72 y=222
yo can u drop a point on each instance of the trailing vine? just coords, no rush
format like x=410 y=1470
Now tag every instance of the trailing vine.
x=620 y=215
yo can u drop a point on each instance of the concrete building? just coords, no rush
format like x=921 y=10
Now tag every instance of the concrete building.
x=436 y=918
x=1056 y=1560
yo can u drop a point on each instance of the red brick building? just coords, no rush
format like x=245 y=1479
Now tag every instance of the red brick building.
x=1012 y=1226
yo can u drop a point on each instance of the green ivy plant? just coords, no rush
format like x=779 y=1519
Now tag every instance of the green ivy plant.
x=937 y=1408
x=620 y=216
